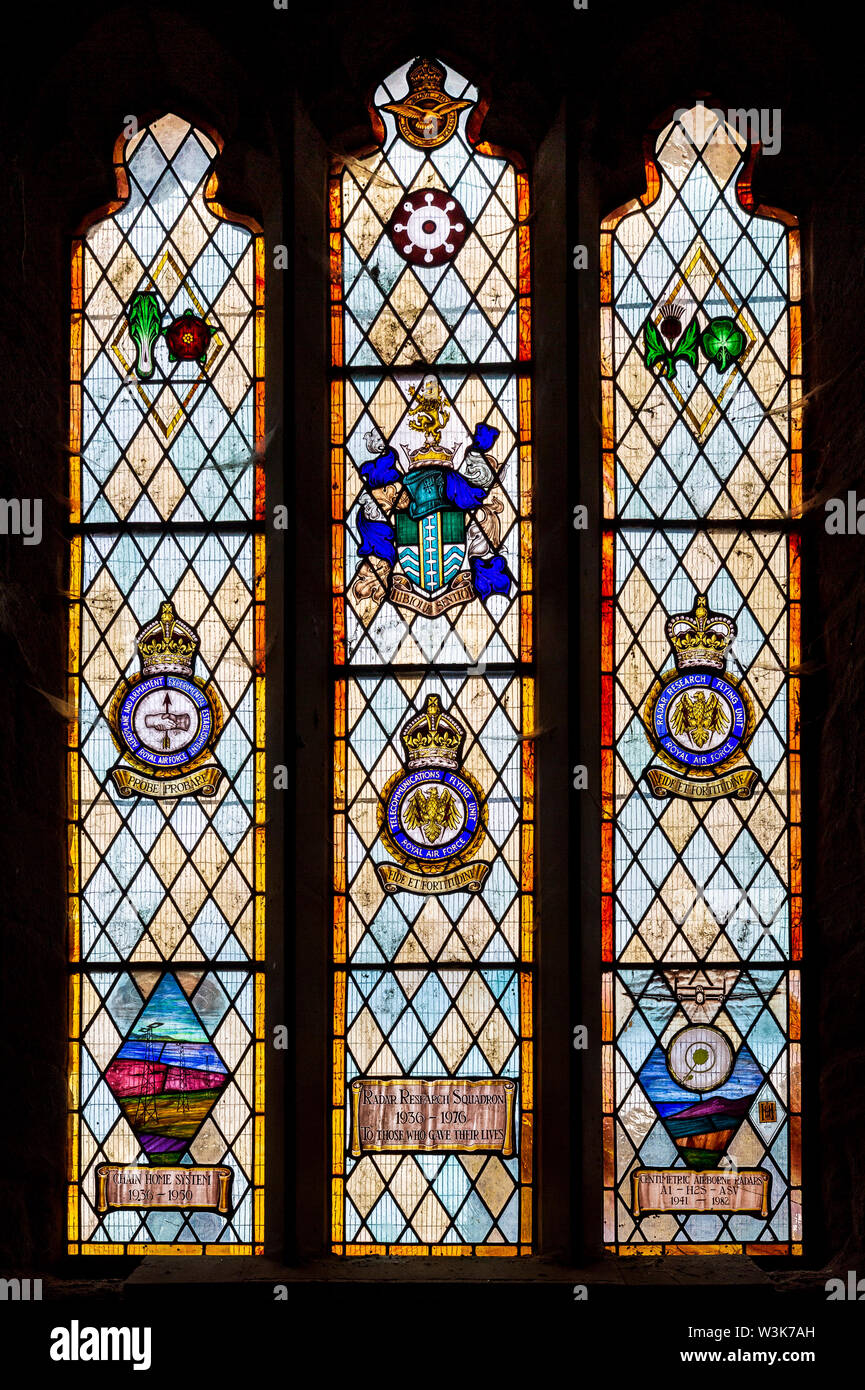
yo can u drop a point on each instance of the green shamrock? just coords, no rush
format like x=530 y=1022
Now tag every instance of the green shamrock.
x=723 y=342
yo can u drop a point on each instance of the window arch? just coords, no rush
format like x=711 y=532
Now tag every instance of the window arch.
x=434 y=690
x=166 y=777
x=701 y=871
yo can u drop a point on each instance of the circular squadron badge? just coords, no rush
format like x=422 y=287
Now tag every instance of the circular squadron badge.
x=698 y=719
x=164 y=720
x=432 y=814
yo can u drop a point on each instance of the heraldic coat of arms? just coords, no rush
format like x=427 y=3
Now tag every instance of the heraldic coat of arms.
x=429 y=527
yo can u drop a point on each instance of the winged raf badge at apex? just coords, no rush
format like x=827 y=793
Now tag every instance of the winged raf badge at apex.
x=427 y=116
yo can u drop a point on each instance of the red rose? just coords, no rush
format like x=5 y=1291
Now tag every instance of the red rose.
x=188 y=338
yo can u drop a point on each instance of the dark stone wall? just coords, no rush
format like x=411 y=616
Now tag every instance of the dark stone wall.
x=259 y=75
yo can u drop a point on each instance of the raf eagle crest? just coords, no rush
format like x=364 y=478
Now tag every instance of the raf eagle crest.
x=697 y=717
x=432 y=814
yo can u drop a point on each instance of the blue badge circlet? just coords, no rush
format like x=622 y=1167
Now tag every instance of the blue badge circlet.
x=731 y=715
x=698 y=719
x=164 y=720
x=431 y=813
x=169 y=685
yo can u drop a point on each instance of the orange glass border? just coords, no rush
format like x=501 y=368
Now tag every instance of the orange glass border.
x=75 y=602
x=607 y=742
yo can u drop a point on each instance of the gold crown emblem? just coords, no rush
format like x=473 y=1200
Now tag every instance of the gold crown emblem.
x=700 y=639
x=433 y=738
x=167 y=644
x=426 y=78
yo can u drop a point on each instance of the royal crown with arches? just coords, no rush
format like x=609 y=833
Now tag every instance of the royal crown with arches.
x=432 y=738
x=167 y=645
x=700 y=640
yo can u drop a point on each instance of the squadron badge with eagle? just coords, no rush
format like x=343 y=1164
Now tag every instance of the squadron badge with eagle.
x=432 y=814
x=698 y=719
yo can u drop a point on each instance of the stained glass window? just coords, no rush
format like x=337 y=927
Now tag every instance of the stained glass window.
x=433 y=699
x=166 y=680
x=701 y=371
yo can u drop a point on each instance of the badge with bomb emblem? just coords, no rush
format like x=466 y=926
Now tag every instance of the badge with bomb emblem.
x=164 y=720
